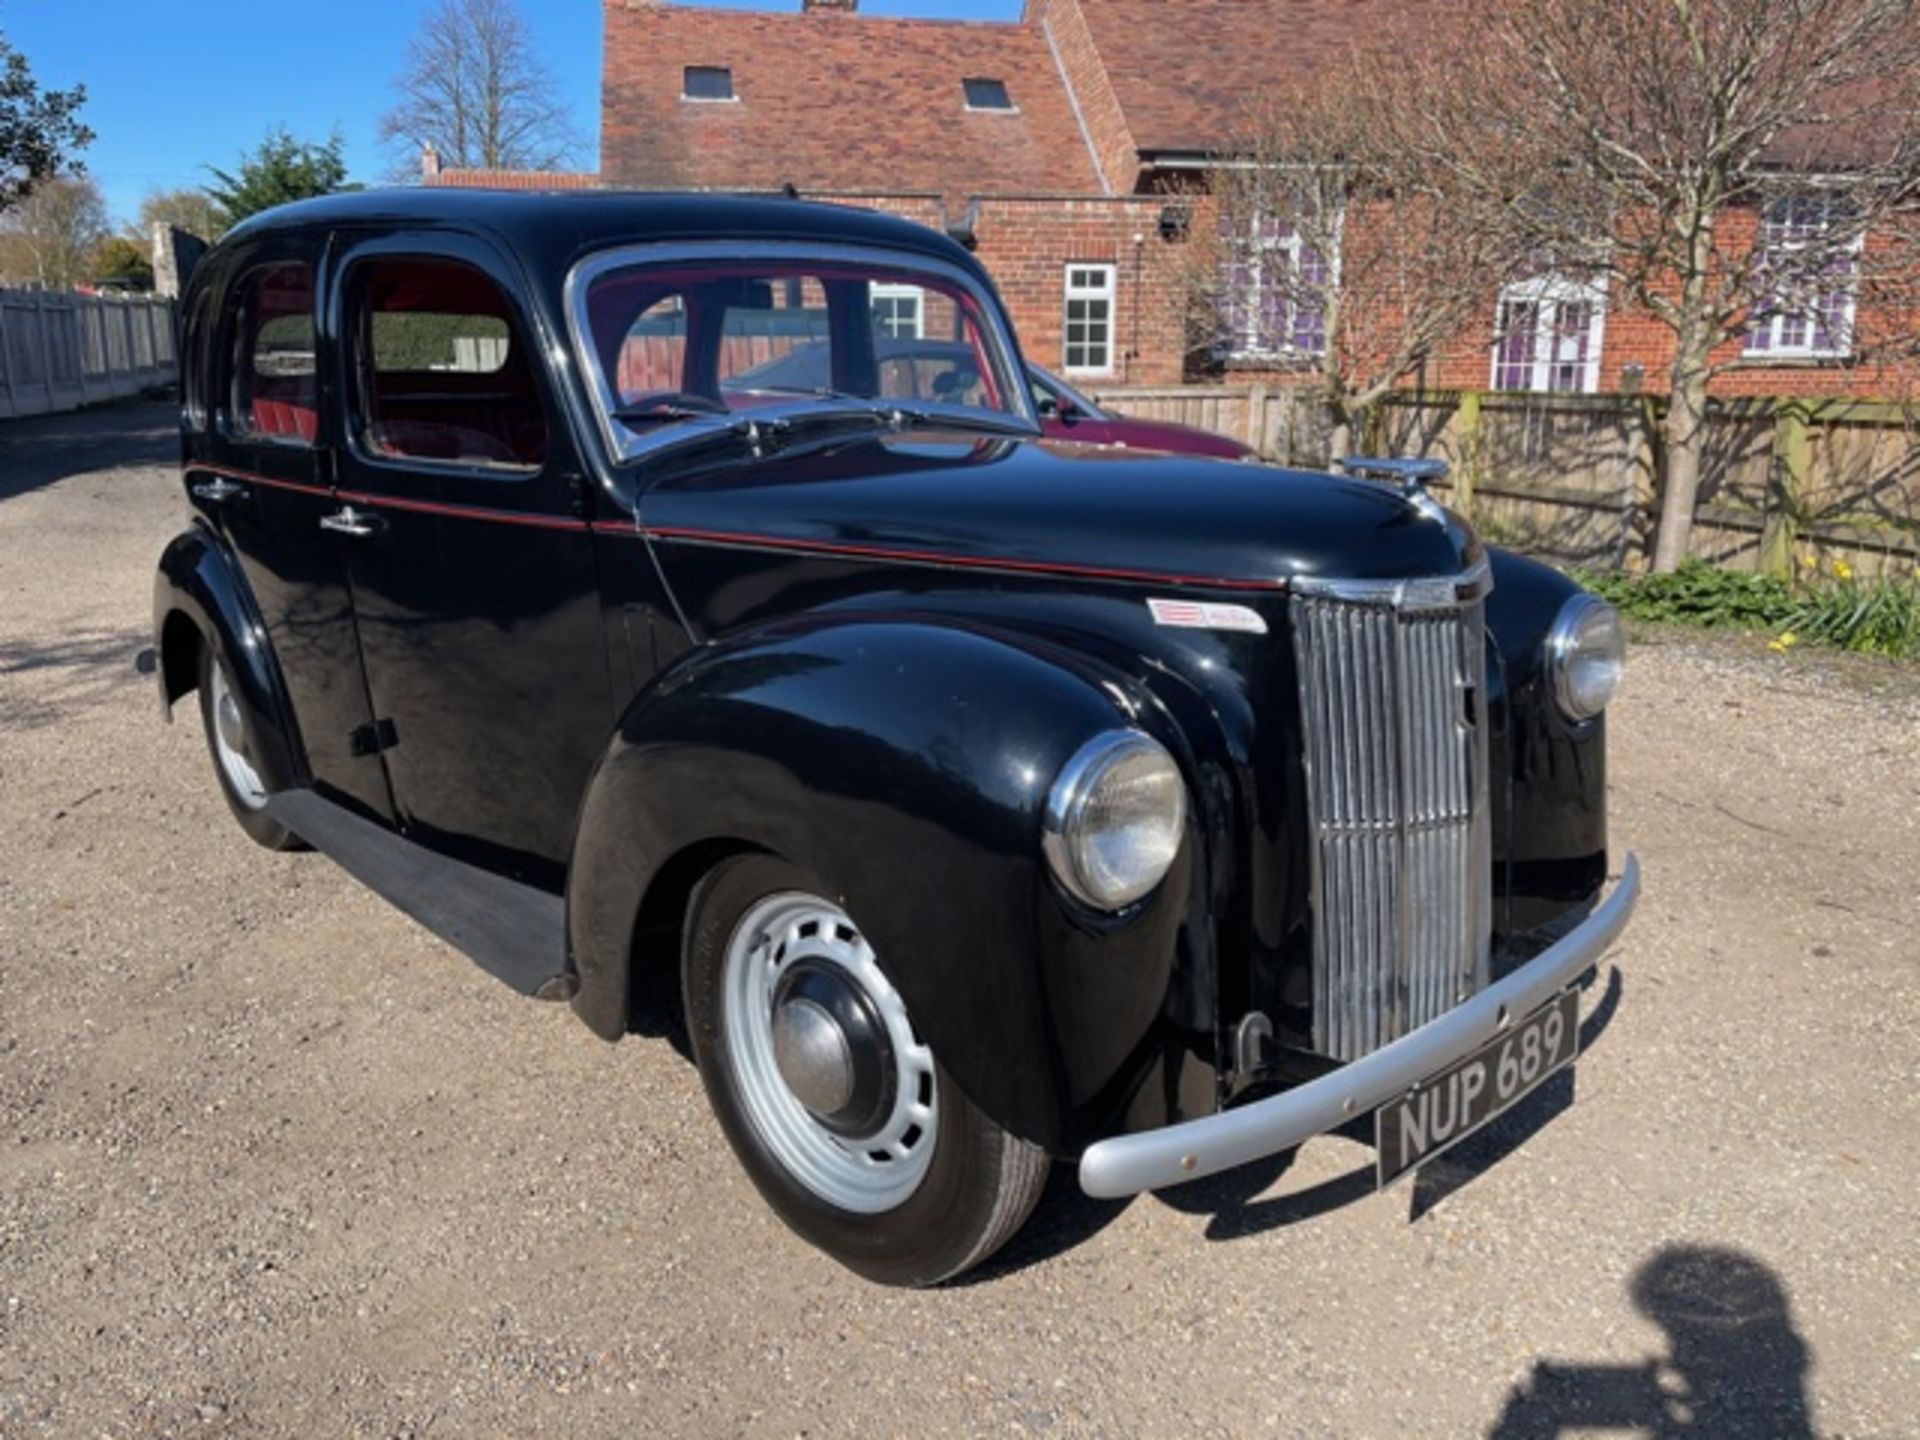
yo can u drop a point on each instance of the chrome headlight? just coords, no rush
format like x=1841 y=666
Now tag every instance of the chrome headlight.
x=1586 y=656
x=1114 y=819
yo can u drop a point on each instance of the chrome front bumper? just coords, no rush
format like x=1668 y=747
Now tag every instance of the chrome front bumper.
x=1128 y=1164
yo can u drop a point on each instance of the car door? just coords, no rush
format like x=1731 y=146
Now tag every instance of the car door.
x=262 y=472
x=472 y=564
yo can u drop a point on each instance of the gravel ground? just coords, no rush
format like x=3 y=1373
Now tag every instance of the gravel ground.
x=274 y=1161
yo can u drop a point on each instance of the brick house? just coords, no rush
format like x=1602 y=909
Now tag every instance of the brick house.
x=1058 y=147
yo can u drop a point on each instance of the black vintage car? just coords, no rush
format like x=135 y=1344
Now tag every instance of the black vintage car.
x=982 y=801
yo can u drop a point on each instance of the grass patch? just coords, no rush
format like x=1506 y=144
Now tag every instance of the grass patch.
x=1879 y=617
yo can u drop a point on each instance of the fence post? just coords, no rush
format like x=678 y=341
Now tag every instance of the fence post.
x=46 y=349
x=1466 y=474
x=1786 y=484
x=1257 y=418
x=6 y=359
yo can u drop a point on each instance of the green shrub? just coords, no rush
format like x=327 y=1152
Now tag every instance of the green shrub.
x=1880 y=617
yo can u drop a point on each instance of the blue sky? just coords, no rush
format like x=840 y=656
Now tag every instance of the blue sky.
x=172 y=89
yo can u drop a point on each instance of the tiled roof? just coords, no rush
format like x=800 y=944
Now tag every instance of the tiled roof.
x=833 y=101
x=1185 y=71
x=515 y=179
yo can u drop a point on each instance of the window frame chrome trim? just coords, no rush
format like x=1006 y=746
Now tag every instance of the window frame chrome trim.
x=1009 y=364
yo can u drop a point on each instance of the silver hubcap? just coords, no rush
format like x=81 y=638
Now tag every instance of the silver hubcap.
x=230 y=741
x=840 y=1091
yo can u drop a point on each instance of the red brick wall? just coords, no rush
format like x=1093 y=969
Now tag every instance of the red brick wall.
x=1027 y=242
x=1065 y=28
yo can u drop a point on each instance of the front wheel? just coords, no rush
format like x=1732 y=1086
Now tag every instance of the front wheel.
x=835 y=1105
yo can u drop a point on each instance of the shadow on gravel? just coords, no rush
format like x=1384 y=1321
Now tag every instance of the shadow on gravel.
x=50 y=448
x=1735 y=1366
x=67 y=675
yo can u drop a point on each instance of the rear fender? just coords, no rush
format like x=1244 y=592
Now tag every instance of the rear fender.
x=201 y=596
x=905 y=762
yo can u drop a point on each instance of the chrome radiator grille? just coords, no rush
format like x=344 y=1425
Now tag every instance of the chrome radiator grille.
x=1392 y=697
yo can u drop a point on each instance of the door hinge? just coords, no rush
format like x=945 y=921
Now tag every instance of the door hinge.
x=374 y=738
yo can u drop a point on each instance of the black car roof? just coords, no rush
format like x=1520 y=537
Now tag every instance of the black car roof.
x=558 y=225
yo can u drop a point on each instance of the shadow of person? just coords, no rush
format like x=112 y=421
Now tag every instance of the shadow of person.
x=1735 y=1364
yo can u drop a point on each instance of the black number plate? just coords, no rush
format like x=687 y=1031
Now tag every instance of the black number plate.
x=1442 y=1111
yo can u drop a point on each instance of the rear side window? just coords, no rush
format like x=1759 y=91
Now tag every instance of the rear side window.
x=443 y=373
x=272 y=387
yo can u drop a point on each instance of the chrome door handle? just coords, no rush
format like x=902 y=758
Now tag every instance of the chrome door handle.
x=350 y=521
x=217 y=491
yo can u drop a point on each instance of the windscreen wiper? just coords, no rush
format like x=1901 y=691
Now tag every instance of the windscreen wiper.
x=634 y=416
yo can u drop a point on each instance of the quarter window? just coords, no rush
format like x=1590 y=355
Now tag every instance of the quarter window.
x=442 y=375
x=272 y=390
x=1547 y=336
x=1089 y=317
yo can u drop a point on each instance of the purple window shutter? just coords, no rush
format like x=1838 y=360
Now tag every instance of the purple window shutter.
x=1240 y=306
x=1309 y=315
x=1830 y=310
x=1517 y=322
x=1572 y=326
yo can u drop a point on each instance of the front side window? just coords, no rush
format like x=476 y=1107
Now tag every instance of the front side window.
x=680 y=343
x=1089 y=320
x=1547 y=336
x=272 y=390
x=440 y=369
x=1808 y=273
x=1275 y=294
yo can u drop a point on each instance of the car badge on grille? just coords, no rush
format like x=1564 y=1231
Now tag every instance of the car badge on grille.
x=1201 y=615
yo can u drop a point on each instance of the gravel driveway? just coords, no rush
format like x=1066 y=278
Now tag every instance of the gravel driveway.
x=274 y=1161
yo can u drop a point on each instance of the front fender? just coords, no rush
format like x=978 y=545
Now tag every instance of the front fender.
x=200 y=596
x=905 y=762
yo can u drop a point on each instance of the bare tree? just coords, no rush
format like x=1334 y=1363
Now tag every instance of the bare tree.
x=1335 y=253
x=191 y=210
x=478 y=93
x=1746 y=172
x=51 y=236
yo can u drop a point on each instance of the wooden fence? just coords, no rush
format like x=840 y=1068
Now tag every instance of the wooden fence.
x=1573 y=477
x=61 y=351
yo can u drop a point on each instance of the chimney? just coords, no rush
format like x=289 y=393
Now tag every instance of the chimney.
x=429 y=163
x=826 y=7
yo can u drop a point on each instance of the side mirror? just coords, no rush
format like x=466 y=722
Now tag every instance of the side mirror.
x=1064 y=409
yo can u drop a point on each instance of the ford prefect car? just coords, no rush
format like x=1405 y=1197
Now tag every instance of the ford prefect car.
x=980 y=801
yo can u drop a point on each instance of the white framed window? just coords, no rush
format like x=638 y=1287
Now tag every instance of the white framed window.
x=1547 y=335
x=1275 y=309
x=1088 y=349
x=1807 y=311
x=899 y=311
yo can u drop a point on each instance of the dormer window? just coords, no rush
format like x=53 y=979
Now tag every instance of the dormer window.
x=987 y=94
x=707 y=82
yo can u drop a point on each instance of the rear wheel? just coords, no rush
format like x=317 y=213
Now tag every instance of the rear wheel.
x=230 y=742
x=835 y=1105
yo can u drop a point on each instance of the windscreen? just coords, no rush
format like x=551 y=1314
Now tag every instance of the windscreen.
x=675 y=342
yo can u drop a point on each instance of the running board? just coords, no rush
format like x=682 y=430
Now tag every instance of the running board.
x=516 y=933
